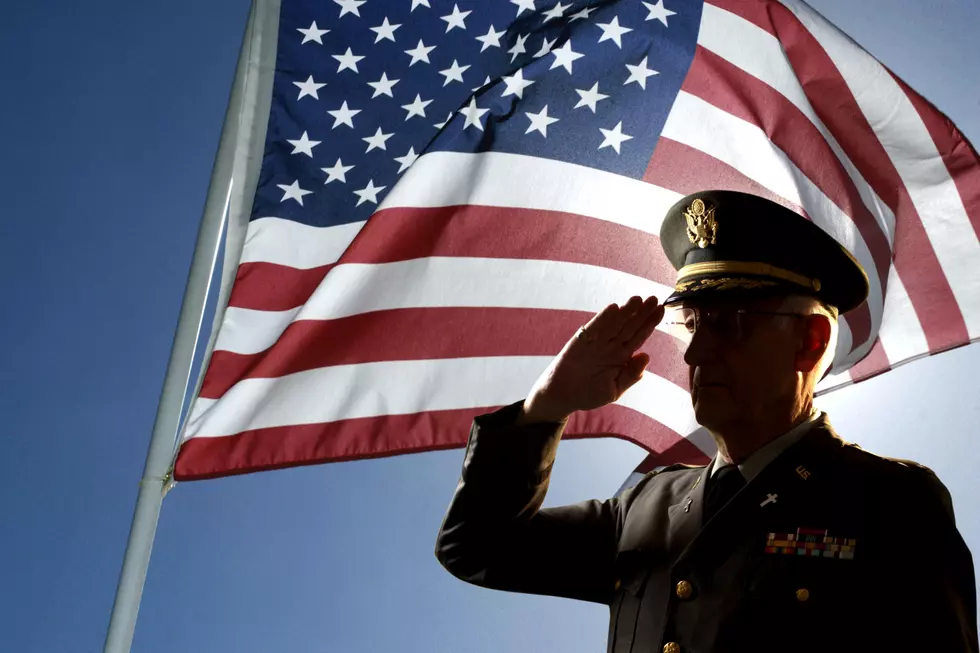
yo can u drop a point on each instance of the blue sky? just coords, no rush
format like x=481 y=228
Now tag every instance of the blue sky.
x=110 y=114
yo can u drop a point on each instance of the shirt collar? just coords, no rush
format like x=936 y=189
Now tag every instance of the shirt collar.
x=755 y=463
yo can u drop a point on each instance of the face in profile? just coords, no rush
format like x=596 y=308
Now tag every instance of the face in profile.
x=741 y=356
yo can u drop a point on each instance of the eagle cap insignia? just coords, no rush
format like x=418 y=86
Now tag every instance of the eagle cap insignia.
x=702 y=228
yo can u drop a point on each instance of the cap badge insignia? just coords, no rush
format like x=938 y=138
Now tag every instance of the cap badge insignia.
x=702 y=228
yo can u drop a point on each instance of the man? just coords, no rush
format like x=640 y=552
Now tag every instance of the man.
x=790 y=539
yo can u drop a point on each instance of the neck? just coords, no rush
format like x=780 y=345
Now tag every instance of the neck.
x=739 y=440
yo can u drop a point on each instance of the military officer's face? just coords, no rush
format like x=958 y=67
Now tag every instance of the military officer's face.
x=743 y=360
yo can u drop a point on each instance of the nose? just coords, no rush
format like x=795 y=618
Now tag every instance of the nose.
x=701 y=349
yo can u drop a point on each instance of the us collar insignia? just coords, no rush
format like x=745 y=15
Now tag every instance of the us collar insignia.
x=811 y=542
x=702 y=228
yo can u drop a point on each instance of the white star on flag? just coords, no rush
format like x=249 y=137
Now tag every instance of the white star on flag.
x=420 y=53
x=350 y=7
x=293 y=192
x=564 y=56
x=377 y=142
x=337 y=172
x=658 y=12
x=348 y=61
x=454 y=73
x=440 y=125
x=585 y=13
x=385 y=31
x=407 y=160
x=416 y=108
x=369 y=193
x=456 y=18
x=545 y=47
x=516 y=84
x=344 y=116
x=614 y=137
x=612 y=31
x=312 y=34
x=383 y=86
x=518 y=46
x=473 y=114
x=590 y=97
x=309 y=87
x=491 y=39
x=554 y=12
x=419 y=3
x=522 y=5
x=639 y=73
x=540 y=121
x=304 y=145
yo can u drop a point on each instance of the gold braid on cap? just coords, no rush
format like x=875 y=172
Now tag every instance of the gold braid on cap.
x=744 y=267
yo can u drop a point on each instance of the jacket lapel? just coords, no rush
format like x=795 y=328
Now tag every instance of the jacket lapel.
x=685 y=516
x=784 y=482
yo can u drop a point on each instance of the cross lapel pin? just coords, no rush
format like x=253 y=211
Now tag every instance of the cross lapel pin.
x=770 y=498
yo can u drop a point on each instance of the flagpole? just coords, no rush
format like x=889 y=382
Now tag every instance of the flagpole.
x=156 y=471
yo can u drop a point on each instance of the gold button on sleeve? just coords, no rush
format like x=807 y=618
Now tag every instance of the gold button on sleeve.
x=684 y=590
x=672 y=647
x=802 y=594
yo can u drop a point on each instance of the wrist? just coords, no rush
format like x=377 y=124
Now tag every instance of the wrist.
x=532 y=413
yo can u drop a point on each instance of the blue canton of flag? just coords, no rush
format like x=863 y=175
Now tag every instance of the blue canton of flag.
x=364 y=87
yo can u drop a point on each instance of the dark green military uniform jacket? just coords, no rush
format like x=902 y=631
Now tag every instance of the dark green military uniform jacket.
x=828 y=548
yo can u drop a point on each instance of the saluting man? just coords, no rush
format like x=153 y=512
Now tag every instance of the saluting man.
x=790 y=539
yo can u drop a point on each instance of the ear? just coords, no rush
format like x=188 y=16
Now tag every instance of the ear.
x=813 y=344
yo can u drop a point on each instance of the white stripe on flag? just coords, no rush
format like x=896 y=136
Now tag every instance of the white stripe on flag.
x=296 y=245
x=911 y=149
x=901 y=338
x=355 y=288
x=342 y=392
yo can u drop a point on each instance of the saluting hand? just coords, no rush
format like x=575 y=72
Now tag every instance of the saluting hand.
x=597 y=365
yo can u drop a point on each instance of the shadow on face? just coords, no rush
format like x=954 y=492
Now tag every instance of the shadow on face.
x=742 y=361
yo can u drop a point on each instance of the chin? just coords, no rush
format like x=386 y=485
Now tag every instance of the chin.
x=712 y=407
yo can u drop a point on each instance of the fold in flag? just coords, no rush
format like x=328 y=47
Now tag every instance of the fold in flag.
x=450 y=189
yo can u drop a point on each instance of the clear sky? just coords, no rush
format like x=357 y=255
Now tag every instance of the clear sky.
x=110 y=113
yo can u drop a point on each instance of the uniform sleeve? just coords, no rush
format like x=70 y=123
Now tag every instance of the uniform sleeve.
x=495 y=533
x=936 y=587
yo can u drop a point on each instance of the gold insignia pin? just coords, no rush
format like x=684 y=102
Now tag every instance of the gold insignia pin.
x=702 y=228
x=803 y=472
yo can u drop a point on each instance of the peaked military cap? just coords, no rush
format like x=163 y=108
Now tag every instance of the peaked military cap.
x=723 y=241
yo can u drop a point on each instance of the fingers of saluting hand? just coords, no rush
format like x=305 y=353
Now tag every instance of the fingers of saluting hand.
x=639 y=323
x=622 y=325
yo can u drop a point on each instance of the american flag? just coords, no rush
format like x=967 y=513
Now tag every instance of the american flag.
x=449 y=189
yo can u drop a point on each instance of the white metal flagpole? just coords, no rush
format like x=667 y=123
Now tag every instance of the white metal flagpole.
x=159 y=457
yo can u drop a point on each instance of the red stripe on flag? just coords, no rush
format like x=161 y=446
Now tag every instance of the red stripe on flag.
x=685 y=170
x=915 y=259
x=958 y=154
x=388 y=435
x=871 y=365
x=272 y=287
x=678 y=454
x=421 y=334
x=401 y=234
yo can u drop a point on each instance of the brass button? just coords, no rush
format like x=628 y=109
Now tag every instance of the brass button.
x=802 y=594
x=619 y=584
x=684 y=590
x=672 y=647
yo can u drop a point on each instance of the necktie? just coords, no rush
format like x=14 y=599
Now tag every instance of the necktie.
x=722 y=486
